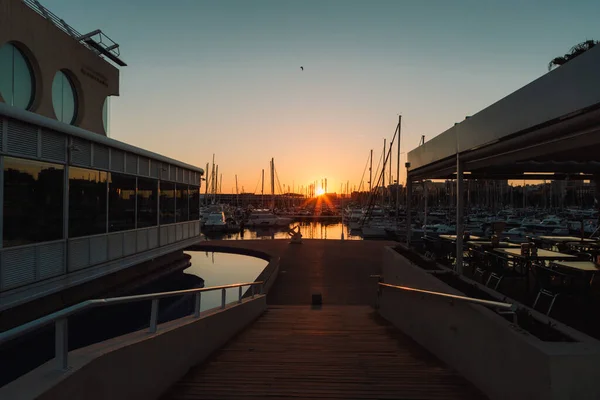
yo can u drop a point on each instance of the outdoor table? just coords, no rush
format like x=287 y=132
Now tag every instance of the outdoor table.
x=453 y=237
x=542 y=255
x=586 y=267
x=488 y=244
x=564 y=239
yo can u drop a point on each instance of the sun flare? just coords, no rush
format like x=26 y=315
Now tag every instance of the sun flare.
x=320 y=191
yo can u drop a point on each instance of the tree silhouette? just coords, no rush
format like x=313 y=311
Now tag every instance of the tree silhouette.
x=575 y=51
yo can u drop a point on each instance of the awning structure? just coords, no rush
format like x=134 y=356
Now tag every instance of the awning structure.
x=549 y=129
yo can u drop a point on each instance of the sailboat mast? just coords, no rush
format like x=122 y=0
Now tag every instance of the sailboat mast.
x=272 y=184
x=237 y=194
x=216 y=185
x=262 y=190
x=371 y=171
x=398 y=170
x=206 y=185
x=383 y=174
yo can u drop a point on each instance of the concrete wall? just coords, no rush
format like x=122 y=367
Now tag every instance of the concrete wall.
x=567 y=89
x=495 y=355
x=139 y=365
x=50 y=50
x=268 y=275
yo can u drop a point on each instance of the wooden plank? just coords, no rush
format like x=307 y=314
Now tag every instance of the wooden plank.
x=337 y=352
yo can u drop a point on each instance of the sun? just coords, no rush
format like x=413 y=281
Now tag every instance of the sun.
x=320 y=192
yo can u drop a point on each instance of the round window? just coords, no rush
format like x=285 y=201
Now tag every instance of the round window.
x=16 y=77
x=105 y=115
x=64 y=98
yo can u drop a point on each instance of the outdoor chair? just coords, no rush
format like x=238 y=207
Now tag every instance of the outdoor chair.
x=553 y=283
x=499 y=269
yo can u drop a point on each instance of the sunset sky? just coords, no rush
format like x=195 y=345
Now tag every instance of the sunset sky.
x=224 y=76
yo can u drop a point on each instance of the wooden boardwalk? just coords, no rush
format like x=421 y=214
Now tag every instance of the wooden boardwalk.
x=339 y=351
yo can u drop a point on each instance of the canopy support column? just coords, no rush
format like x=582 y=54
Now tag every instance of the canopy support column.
x=459 y=214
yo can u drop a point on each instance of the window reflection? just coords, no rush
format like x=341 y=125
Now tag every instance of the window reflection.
x=121 y=202
x=64 y=98
x=167 y=202
x=87 y=202
x=194 y=203
x=182 y=203
x=147 y=202
x=33 y=202
x=16 y=77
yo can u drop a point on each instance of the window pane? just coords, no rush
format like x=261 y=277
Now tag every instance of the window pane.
x=33 y=202
x=23 y=81
x=57 y=95
x=105 y=115
x=121 y=202
x=64 y=98
x=87 y=202
x=194 y=203
x=16 y=77
x=6 y=73
x=167 y=202
x=182 y=203
x=147 y=202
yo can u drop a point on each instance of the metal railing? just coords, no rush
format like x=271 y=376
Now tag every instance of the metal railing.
x=60 y=23
x=502 y=308
x=60 y=318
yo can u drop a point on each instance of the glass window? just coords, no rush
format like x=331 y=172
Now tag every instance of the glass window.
x=16 y=77
x=147 y=214
x=182 y=203
x=33 y=202
x=194 y=203
x=105 y=115
x=64 y=98
x=121 y=202
x=87 y=202
x=167 y=202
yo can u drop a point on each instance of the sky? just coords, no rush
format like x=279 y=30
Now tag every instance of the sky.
x=223 y=77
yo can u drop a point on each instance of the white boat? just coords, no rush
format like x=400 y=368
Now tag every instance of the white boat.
x=216 y=222
x=265 y=218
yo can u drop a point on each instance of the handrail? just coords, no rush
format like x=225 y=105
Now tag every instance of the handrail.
x=487 y=303
x=60 y=317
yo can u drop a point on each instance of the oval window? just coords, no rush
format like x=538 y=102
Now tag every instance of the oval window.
x=64 y=98
x=16 y=77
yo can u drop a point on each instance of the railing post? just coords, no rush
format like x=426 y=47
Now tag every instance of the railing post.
x=197 y=304
x=153 y=316
x=61 y=343
x=262 y=288
x=223 y=294
x=240 y=295
x=252 y=290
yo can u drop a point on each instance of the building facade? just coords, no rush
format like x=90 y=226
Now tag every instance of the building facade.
x=50 y=69
x=76 y=205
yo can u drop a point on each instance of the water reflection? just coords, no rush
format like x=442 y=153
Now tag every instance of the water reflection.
x=309 y=230
x=223 y=269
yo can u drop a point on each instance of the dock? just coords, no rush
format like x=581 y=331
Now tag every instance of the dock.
x=341 y=350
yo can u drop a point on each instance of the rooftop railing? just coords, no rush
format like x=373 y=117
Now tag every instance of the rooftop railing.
x=60 y=318
x=103 y=46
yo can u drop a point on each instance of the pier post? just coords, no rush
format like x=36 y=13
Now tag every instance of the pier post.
x=459 y=214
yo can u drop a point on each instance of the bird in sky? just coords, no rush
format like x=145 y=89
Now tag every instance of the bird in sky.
x=302 y=68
